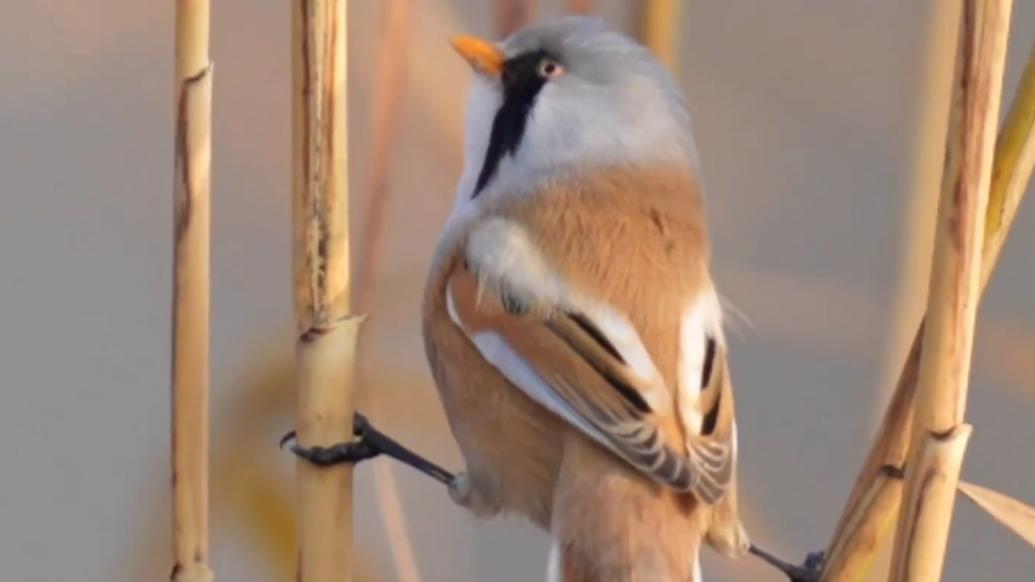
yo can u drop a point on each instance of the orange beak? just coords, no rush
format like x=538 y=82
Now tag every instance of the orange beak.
x=482 y=55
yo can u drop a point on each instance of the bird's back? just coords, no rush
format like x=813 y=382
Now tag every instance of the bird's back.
x=634 y=239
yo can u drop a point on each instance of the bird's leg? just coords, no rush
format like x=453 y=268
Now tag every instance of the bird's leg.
x=369 y=443
x=806 y=572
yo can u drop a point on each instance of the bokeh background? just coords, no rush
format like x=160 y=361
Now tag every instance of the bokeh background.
x=811 y=119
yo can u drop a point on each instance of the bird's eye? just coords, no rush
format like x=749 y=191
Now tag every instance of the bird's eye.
x=550 y=69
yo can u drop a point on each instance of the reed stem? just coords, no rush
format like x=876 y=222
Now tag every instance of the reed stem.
x=190 y=314
x=326 y=333
x=875 y=500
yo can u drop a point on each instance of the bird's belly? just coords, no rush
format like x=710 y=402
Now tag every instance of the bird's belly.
x=511 y=445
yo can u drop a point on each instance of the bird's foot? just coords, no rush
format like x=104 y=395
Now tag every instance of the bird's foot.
x=369 y=443
x=460 y=489
x=350 y=452
x=808 y=571
x=466 y=492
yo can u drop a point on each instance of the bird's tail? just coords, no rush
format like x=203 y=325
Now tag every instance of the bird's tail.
x=560 y=566
x=555 y=562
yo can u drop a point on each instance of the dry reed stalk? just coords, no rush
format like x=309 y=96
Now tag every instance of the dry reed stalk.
x=875 y=499
x=657 y=25
x=1009 y=512
x=1014 y=161
x=579 y=6
x=926 y=515
x=932 y=110
x=190 y=366
x=939 y=435
x=395 y=524
x=326 y=333
x=248 y=493
x=873 y=504
x=392 y=52
x=510 y=15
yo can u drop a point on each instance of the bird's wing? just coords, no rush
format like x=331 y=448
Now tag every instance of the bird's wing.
x=587 y=364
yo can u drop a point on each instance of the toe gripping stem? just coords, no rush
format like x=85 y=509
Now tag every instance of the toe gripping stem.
x=808 y=572
x=369 y=443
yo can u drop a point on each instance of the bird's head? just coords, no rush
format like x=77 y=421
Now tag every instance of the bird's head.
x=563 y=97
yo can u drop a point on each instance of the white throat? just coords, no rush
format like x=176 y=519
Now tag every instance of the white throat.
x=564 y=137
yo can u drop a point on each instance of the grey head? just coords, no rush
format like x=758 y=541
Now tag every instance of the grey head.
x=566 y=96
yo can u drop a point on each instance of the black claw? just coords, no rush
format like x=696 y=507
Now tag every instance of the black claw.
x=369 y=443
x=290 y=436
x=814 y=561
x=352 y=452
x=809 y=571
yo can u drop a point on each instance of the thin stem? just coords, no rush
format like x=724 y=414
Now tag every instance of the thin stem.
x=875 y=500
x=326 y=334
x=657 y=25
x=511 y=15
x=190 y=353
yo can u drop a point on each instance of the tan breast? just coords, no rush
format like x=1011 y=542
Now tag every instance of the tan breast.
x=608 y=234
x=633 y=239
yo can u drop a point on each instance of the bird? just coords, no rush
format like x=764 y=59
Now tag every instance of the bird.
x=570 y=319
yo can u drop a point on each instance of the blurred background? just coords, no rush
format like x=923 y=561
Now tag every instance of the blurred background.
x=814 y=121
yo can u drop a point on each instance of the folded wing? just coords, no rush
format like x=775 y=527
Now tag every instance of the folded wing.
x=570 y=360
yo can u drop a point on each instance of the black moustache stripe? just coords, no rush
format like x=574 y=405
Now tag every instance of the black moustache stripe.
x=521 y=85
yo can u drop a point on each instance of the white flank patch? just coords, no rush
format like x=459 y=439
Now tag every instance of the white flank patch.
x=503 y=256
x=499 y=353
x=701 y=319
x=451 y=306
x=623 y=336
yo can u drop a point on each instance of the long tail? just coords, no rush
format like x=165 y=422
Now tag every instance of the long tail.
x=560 y=567
x=555 y=562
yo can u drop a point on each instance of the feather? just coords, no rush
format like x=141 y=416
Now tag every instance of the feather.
x=564 y=362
